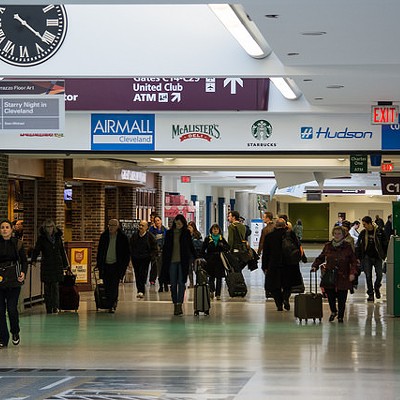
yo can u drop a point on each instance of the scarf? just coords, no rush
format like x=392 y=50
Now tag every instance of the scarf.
x=337 y=244
x=215 y=239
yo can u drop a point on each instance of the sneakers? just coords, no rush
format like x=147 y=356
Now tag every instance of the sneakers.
x=377 y=293
x=371 y=298
x=140 y=295
x=111 y=311
x=3 y=346
x=211 y=295
x=15 y=339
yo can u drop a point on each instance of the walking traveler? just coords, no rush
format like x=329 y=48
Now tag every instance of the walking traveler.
x=158 y=230
x=143 y=247
x=197 y=240
x=281 y=274
x=13 y=269
x=371 y=251
x=53 y=263
x=112 y=261
x=338 y=262
x=177 y=252
x=214 y=244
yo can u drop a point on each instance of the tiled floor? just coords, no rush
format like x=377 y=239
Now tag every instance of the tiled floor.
x=245 y=350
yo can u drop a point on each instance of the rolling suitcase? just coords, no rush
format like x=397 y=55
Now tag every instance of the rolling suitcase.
x=99 y=293
x=234 y=280
x=308 y=305
x=201 y=289
x=69 y=293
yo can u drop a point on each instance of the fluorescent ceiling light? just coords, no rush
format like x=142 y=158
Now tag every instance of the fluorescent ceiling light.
x=287 y=87
x=234 y=18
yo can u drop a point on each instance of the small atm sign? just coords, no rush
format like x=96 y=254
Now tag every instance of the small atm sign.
x=384 y=115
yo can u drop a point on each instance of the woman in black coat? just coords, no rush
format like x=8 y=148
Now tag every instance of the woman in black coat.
x=279 y=276
x=13 y=268
x=54 y=262
x=213 y=246
x=178 y=250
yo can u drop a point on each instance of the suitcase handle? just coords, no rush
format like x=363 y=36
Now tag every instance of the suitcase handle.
x=315 y=281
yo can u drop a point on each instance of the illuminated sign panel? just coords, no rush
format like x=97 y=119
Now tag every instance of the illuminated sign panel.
x=384 y=115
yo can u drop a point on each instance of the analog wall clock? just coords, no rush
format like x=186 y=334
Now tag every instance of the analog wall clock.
x=30 y=35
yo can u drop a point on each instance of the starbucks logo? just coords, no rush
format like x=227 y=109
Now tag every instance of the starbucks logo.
x=261 y=130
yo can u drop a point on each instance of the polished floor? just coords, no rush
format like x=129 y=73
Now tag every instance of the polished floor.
x=245 y=350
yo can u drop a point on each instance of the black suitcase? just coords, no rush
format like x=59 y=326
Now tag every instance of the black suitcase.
x=100 y=297
x=236 y=284
x=201 y=301
x=308 y=305
x=69 y=297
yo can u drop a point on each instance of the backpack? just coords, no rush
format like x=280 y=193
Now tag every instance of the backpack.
x=291 y=253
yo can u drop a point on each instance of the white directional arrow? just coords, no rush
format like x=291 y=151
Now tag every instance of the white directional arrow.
x=233 y=82
x=176 y=97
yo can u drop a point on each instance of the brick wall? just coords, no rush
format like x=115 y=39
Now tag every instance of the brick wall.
x=3 y=186
x=127 y=202
x=111 y=207
x=51 y=193
x=159 y=194
x=29 y=214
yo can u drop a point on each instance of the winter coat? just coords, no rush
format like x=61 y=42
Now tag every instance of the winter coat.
x=143 y=247
x=187 y=253
x=11 y=252
x=343 y=259
x=211 y=253
x=279 y=275
x=122 y=250
x=54 y=259
x=379 y=240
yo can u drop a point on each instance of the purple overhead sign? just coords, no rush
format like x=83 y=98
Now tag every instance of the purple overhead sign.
x=166 y=94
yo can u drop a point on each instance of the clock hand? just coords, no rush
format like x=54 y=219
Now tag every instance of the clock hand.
x=24 y=23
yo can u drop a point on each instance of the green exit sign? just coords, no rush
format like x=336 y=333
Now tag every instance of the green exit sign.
x=358 y=164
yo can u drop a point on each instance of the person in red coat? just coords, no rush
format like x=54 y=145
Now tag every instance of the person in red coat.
x=337 y=255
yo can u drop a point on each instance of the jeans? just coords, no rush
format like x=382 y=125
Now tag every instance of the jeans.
x=368 y=262
x=178 y=282
x=9 y=302
x=341 y=296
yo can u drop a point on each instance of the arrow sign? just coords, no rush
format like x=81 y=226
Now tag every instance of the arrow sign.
x=233 y=82
x=176 y=97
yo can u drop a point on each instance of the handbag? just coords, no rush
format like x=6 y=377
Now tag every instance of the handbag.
x=252 y=264
x=328 y=278
x=69 y=278
x=9 y=272
x=298 y=288
x=242 y=249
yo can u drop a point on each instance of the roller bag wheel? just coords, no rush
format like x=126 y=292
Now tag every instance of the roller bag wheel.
x=69 y=298
x=236 y=284
x=100 y=297
x=308 y=305
x=202 y=299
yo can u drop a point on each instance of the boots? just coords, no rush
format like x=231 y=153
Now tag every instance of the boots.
x=178 y=309
x=166 y=288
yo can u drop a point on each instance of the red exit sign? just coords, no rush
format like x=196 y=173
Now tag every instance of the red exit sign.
x=386 y=167
x=384 y=115
x=186 y=179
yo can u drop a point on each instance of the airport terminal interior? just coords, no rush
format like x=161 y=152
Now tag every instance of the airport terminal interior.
x=149 y=100
x=245 y=349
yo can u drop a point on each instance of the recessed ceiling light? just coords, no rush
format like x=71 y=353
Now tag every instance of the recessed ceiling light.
x=318 y=98
x=335 y=86
x=307 y=80
x=341 y=159
x=272 y=16
x=293 y=54
x=316 y=33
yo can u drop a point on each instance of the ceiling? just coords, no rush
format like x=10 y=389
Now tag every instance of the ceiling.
x=343 y=57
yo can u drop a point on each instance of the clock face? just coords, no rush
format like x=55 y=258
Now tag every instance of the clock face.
x=30 y=35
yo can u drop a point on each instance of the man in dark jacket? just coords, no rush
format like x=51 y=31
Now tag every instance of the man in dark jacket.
x=112 y=260
x=54 y=262
x=143 y=250
x=371 y=250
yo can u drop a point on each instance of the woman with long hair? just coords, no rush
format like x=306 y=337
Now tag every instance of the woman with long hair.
x=178 y=250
